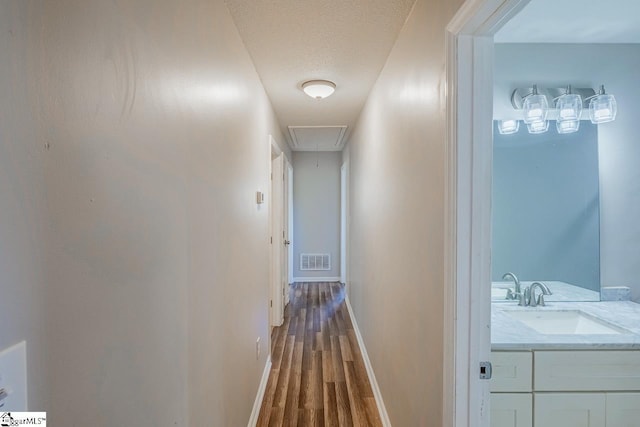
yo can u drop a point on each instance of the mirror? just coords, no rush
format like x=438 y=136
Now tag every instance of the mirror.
x=546 y=219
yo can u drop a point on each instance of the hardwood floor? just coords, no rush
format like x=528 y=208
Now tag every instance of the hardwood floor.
x=317 y=377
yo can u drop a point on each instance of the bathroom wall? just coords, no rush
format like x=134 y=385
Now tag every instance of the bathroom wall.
x=134 y=136
x=585 y=65
x=545 y=219
x=316 y=209
x=396 y=161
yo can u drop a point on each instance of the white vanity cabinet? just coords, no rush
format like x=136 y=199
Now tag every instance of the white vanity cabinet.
x=511 y=386
x=623 y=409
x=511 y=410
x=569 y=410
x=586 y=409
x=566 y=388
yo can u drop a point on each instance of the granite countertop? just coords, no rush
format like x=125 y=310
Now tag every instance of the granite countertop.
x=508 y=333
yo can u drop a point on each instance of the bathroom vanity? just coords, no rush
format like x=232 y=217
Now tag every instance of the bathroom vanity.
x=569 y=364
x=575 y=361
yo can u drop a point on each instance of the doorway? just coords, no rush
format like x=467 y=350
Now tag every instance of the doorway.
x=469 y=64
x=280 y=208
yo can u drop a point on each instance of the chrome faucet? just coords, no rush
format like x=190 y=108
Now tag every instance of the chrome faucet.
x=517 y=292
x=533 y=302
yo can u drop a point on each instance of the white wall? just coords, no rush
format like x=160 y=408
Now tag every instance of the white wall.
x=396 y=157
x=124 y=244
x=586 y=65
x=316 y=209
x=22 y=204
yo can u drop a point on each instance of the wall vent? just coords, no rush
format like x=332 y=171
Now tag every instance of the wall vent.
x=315 y=262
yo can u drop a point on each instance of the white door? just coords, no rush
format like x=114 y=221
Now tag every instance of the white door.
x=277 y=240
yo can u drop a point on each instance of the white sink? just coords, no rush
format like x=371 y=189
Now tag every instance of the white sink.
x=557 y=322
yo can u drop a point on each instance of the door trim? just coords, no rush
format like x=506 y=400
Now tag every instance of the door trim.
x=467 y=311
x=290 y=237
x=276 y=300
x=344 y=224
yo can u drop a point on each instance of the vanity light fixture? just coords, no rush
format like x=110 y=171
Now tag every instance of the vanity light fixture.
x=567 y=105
x=567 y=126
x=538 y=127
x=318 y=89
x=535 y=107
x=602 y=107
x=508 y=127
x=569 y=108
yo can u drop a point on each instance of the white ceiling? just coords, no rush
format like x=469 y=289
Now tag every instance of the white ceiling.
x=292 y=41
x=574 y=21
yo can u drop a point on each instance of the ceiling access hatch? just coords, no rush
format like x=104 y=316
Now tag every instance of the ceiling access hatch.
x=317 y=138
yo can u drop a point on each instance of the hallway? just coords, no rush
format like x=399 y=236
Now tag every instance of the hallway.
x=317 y=375
x=136 y=179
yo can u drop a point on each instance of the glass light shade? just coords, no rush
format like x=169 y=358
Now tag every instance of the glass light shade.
x=567 y=126
x=538 y=127
x=507 y=127
x=535 y=108
x=318 y=88
x=569 y=107
x=603 y=109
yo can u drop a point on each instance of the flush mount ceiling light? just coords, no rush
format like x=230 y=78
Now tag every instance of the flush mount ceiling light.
x=318 y=89
x=602 y=108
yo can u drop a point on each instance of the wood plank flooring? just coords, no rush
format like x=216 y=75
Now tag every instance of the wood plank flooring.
x=317 y=377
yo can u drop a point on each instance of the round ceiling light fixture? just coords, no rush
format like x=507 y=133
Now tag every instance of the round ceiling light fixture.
x=318 y=89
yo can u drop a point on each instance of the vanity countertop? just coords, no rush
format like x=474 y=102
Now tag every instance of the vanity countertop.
x=510 y=334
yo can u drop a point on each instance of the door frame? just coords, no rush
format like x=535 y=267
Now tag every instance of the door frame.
x=469 y=145
x=344 y=224
x=290 y=225
x=276 y=300
x=288 y=189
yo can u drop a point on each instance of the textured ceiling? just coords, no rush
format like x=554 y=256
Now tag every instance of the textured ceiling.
x=292 y=41
x=574 y=21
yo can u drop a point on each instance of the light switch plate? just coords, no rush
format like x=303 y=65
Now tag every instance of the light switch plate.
x=13 y=377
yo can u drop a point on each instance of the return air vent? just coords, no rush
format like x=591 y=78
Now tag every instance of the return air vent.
x=315 y=262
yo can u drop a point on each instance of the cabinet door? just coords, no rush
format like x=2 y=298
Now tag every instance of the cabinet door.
x=511 y=371
x=511 y=410
x=623 y=409
x=602 y=370
x=569 y=409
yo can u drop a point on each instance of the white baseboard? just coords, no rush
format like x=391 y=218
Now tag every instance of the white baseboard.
x=253 y=420
x=316 y=279
x=384 y=416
